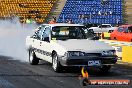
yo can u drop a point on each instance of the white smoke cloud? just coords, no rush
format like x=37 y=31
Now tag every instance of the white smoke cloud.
x=12 y=39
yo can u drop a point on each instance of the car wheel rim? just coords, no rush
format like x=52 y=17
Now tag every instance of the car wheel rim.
x=31 y=57
x=55 y=63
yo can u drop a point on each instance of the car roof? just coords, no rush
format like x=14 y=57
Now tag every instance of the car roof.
x=62 y=24
x=126 y=25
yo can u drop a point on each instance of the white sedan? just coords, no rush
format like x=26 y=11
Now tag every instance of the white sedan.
x=67 y=45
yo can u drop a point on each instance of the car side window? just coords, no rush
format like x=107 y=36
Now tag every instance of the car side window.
x=40 y=33
x=129 y=29
x=46 y=32
x=126 y=30
x=120 y=29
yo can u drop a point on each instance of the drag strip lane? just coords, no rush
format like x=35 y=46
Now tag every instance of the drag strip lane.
x=24 y=75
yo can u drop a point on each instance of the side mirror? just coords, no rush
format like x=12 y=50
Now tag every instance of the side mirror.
x=46 y=39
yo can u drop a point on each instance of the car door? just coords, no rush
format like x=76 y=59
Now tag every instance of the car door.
x=35 y=39
x=130 y=36
x=99 y=29
x=105 y=28
x=45 y=44
x=124 y=35
x=119 y=33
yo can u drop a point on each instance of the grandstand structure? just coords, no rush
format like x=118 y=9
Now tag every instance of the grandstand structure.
x=79 y=11
x=94 y=11
x=35 y=9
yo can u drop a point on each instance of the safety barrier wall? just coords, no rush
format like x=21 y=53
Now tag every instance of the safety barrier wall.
x=127 y=54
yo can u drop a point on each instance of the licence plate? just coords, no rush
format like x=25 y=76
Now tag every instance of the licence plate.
x=94 y=63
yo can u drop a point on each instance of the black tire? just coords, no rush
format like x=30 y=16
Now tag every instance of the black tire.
x=105 y=69
x=115 y=38
x=33 y=60
x=110 y=31
x=56 y=64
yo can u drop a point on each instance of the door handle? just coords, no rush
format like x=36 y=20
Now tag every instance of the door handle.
x=33 y=40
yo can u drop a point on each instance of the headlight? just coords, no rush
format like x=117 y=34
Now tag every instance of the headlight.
x=105 y=53
x=76 y=53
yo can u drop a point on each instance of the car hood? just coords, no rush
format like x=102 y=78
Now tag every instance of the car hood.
x=91 y=46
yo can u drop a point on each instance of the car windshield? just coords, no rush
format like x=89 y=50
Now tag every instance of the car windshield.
x=68 y=32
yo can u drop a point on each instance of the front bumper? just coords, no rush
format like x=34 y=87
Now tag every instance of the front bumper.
x=83 y=60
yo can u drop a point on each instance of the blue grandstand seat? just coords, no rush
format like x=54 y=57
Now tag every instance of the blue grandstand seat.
x=74 y=8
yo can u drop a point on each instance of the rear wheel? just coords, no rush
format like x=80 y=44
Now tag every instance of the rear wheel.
x=55 y=63
x=33 y=60
x=115 y=38
x=110 y=31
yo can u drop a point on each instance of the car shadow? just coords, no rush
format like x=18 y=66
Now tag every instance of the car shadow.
x=93 y=72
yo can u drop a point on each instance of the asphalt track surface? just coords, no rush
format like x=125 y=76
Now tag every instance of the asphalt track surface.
x=17 y=74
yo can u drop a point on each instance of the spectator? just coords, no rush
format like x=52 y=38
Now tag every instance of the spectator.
x=69 y=21
x=99 y=13
x=37 y=11
x=29 y=20
x=23 y=5
x=104 y=2
x=53 y=20
x=82 y=19
x=110 y=12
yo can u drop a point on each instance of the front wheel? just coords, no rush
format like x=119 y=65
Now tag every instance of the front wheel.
x=33 y=60
x=55 y=63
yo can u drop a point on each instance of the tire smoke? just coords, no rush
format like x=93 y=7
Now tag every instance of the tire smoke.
x=13 y=38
